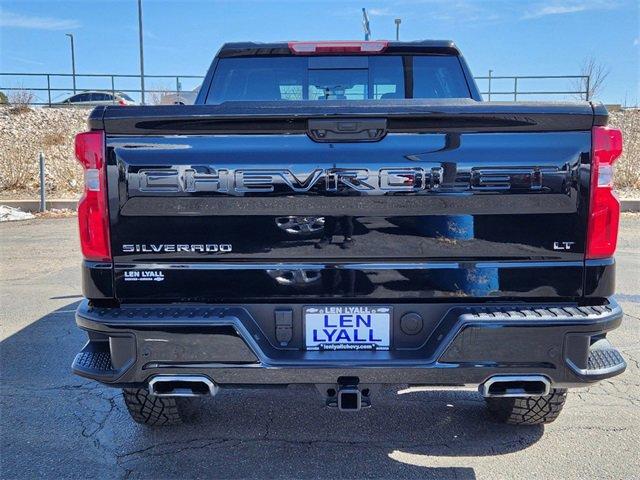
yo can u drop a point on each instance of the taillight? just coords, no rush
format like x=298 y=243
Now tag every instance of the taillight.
x=604 y=208
x=121 y=102
x=311 y=48
x=93 y=216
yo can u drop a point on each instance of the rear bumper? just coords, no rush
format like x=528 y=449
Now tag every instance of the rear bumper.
x=467 y=345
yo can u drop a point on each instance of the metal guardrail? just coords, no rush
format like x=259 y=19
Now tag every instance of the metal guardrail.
x=47 y=95
x=581 y=81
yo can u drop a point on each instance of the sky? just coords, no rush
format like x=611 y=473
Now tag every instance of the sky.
x=510 y=37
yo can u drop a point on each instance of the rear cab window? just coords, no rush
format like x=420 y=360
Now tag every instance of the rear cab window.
x=338 y=77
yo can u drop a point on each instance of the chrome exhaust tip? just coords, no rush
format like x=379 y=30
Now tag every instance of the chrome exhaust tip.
x=516 y=386
x=182 y=386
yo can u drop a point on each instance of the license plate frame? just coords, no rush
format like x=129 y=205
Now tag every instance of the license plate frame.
x=371 y=322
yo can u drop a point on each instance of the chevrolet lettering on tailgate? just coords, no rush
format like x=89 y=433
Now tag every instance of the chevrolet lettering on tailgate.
x=240 y=181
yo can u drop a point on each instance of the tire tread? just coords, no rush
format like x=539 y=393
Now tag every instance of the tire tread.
x=528 y=410
x=148 y=409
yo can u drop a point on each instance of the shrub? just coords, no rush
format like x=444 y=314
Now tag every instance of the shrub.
x=21 y=100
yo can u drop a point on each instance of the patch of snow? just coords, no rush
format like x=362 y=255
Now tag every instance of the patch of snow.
x=10 y=214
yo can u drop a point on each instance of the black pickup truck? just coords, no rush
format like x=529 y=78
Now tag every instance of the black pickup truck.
x=346 y=215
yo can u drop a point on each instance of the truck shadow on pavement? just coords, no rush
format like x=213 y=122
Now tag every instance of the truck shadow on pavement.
x=56 y=425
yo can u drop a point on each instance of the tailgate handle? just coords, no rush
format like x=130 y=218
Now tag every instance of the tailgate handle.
x=347 y=130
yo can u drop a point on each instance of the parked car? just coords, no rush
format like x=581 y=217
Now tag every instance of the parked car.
x=180 y=98
x=344 y=215
x=96 y=98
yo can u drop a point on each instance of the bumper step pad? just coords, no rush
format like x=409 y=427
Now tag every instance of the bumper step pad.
x=94 y=361
x=603 y=359
x=100 y=361
x=595 y=312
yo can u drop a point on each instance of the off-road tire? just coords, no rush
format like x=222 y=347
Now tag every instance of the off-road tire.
x=528 y=410
x=148 y=409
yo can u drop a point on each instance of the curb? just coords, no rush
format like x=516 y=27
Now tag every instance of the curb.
x=630 y=206
x=34 y=205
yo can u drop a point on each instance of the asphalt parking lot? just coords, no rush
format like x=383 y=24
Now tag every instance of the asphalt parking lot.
x=55 y=425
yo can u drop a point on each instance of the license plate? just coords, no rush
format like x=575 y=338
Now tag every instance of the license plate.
x=347 y=327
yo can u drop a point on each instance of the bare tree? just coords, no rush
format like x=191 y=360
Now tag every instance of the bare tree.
x=596 y=73
x=157 y=94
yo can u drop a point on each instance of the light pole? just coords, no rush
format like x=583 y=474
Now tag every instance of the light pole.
x=398 y=22
x=365 y=25
x=141 y=52
x=73 y=61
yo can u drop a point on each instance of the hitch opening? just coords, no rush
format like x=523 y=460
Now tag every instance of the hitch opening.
x=349 y=399
x=347 y=394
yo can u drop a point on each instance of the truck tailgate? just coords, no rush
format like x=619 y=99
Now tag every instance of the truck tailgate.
x=206 y=211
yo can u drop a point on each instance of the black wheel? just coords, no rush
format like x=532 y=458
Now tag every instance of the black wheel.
x=148 y=409
x=528 y=410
